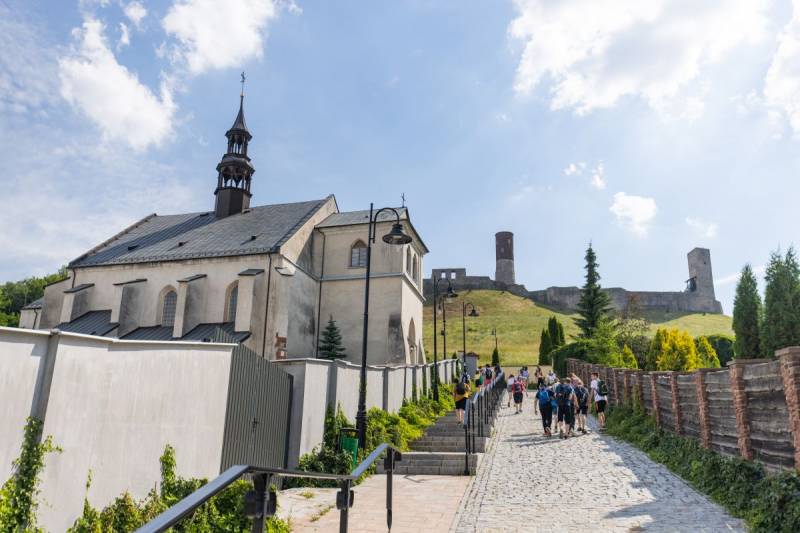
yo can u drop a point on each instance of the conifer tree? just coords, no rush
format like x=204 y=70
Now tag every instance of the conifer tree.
x=594 y=304
x=781 y=324
x=552 y=331
x=706 y=354
x=330 y=345
x=545 y=347
x=561 y=340
x=657 y=347
x=676 y=351
x=747 y=315
x=628 y=358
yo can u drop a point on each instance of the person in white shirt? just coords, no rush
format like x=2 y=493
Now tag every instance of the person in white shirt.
x=600 y=400
x=510 y=386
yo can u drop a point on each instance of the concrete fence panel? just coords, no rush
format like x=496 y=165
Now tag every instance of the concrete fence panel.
x=647 y=392
x=721 y=418
x=665 y=414
x=770 y=436
x=687 y=397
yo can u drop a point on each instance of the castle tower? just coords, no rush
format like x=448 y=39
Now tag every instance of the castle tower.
x=504 y=255
x=701 y=280
x=234 y=171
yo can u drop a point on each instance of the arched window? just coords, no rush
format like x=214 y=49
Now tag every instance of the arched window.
x=169 y=303
x=231 y=301
x=358 y=254
x=415 y=269
x=408 y=260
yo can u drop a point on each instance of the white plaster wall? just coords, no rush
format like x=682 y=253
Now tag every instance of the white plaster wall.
x=374 y=388
x=21 y=352
x=113 y=407
x=395 y=378
x=347 y=379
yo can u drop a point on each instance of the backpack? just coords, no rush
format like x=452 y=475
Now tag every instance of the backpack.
x=602 y=388
x=582 y=395
x=517 y=387
x=460 y=388
x=544 y=397
x=488 y=374
x=563 y=393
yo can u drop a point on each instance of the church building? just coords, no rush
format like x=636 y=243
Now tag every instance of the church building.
x=270 y=276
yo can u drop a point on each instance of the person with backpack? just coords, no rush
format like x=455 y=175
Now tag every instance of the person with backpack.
x=565 y=397
x=518 y=390
x=544 y=398
x=600 y=391
x=460 y=395
x=582 y=396
x=487 y=375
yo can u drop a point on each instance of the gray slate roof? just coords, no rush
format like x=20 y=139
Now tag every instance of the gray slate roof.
x=197 y=235
x=91 y=323
x=349 y=218
x=199 y=333
x=36 y=304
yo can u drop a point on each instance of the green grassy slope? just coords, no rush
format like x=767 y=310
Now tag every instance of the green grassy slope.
x=519 y=323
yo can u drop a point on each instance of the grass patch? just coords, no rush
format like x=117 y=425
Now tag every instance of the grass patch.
x=322 y=512
x=307 y=494
x=519 y=322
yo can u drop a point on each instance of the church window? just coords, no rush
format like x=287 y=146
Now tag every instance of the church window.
x=358 y=254
x=231 y=301
x=168 y=309
x=415 y=270
x=408 y=260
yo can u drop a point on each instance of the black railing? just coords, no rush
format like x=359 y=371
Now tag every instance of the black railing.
x=479 y=415
x=262 y=502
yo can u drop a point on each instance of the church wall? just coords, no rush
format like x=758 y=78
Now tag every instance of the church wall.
x=293 y=248
x=53 y=300
x=412 y=303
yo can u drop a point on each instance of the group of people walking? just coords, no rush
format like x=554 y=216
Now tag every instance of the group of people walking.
x=565 y=399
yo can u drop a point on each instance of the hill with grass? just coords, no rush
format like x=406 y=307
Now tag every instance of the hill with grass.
x=519 y=322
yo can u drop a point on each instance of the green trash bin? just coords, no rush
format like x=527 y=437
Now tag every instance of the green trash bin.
x=348 y=441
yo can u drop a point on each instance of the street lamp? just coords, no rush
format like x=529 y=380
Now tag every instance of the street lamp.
x=472 y=313
x=395 y=237
x=494 y=334
x=449 y=294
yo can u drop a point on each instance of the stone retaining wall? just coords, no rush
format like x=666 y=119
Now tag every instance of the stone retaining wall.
x=750 y=409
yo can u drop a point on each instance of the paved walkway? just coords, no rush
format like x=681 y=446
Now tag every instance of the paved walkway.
x=528 y=482
x=420 y=503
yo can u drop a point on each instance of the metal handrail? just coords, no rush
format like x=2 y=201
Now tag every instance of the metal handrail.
x=486 y=413
x=263 y=505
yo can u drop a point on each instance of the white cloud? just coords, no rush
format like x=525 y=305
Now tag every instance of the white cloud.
x=634 y=213
x=124 y=36
x=782 y=82
x=595 y=52
x=135 y=12
x=734 y=278
x=215 y=35
x=702 y=227
x=598 y=177
x=110 y=95
x=574 y=169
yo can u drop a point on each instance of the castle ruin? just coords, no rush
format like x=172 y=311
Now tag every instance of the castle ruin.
x=697 y=297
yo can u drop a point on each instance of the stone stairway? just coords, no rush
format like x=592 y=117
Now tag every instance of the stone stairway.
x=440 y=451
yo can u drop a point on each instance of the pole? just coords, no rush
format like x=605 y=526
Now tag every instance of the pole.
x=444 y=349
x=464 y=335
x=361 y=416
x=435 y=329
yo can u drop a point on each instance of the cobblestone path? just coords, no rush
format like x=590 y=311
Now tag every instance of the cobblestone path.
x=529 y=482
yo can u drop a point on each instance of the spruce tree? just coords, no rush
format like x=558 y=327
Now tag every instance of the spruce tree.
x=747 y=316
x=545 y=347
x=706 y=353
x=628 y=358
x=781 y=325
x=561 y=340
x=594 y=304
x=330 y=345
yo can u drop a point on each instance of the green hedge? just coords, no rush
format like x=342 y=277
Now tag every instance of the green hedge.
x=768 y=503
x=575 y=350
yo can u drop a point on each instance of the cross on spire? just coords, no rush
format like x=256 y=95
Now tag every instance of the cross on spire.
x=243 y=80
x=403 y=196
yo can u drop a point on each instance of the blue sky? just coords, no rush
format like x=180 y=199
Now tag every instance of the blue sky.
x=647 y=127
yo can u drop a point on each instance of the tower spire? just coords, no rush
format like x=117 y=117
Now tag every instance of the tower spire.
x=235 y=171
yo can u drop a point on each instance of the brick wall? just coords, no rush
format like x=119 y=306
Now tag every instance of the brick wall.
x=750 y=409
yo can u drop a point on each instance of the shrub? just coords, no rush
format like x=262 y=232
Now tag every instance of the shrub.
x=724 y=346
x=575 y=350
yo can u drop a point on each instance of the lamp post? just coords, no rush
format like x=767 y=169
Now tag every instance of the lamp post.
x=395 y=237
x=494 y=334
x=472 y=313
x=449 y=294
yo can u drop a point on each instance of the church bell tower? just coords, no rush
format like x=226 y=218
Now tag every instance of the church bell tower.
x=235 y=171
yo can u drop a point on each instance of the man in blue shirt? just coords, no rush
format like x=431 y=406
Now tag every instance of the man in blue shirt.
x=565 y=397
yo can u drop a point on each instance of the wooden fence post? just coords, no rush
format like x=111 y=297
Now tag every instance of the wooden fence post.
x=703 y=417
x=790 y=373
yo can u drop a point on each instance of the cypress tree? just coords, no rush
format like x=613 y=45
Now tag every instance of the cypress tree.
x=594 y=304
x=628 y=358
x=330 y=345
x=545 y=347
x=781 y=325
x=706 y=353
x=747 y=315
x=561 y=340
x=552 y=331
